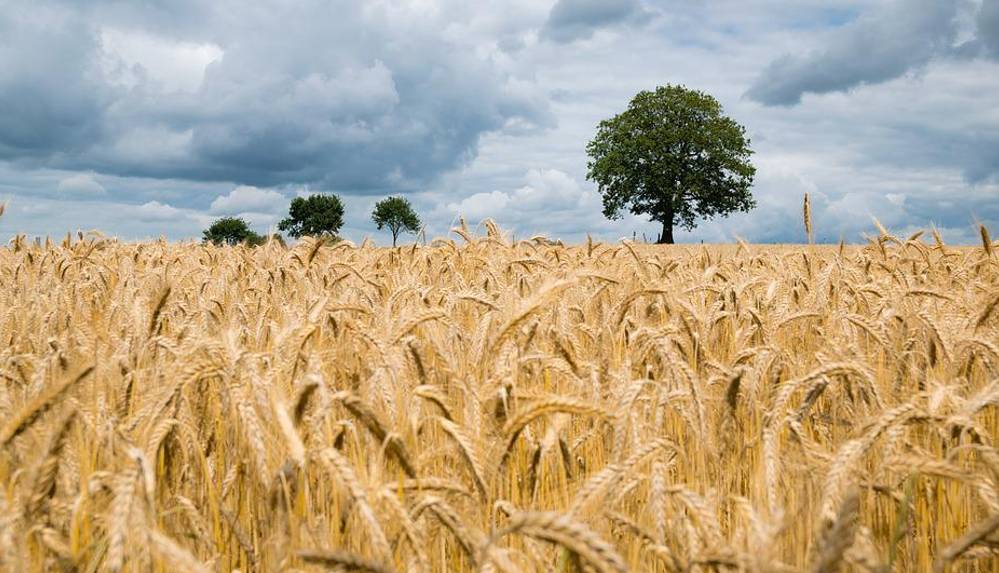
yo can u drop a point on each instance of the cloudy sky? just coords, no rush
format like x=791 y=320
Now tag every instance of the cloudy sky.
x=152 y=118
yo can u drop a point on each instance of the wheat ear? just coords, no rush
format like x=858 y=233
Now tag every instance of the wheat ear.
x=559 y=404
x=807 y=214
x=38 y=407
x=44 y=485
x=837 y=537
x=340 y=467
x=342 y=561
x=962 y=544
x=561 y=530
x=986 y=240
x=174 y=554
x=370 y=420
x=468 y=450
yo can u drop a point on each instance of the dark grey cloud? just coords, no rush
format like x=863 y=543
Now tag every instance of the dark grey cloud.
x=571 y=20
x=50 y=92
x=874 y=48
x=988 y=27
x=962 y=210
x=314 y=92
x=943 y=130
x=883 y=45
x=974 y=153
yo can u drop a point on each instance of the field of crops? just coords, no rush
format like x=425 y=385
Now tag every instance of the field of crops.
x=483 y=405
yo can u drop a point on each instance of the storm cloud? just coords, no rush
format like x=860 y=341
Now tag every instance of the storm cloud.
x=336 y=94
x=578 y=19
x=876 y=47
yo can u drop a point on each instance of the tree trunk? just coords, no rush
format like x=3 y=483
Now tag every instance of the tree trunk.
x=395 y=234
x=666 y=238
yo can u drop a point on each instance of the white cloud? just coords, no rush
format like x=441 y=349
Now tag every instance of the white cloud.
x=246 y=199
x=546 y=190
x=81 y=185
x=550 y=202
x=896 y=198
x=481 y=205
x=155 y=211
x=129 y=56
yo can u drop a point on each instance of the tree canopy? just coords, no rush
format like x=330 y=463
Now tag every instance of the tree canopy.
x=230 y=231
x=314 y=216
x=397 y=214
x=673 y=156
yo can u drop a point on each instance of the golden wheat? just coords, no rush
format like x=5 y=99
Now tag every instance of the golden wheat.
x=499 y=406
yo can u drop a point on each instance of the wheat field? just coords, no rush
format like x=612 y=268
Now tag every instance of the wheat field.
x=480 y=404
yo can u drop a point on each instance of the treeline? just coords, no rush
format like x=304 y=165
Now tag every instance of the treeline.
x=319 y=215
x=673 y=156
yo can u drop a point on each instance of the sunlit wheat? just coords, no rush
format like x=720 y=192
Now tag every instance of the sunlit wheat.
x=499 y=406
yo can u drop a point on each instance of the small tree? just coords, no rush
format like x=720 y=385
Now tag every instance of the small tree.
x=674 y=157
x=397 y=214
x=230 y=231
x=259 y=240
x=314 y=216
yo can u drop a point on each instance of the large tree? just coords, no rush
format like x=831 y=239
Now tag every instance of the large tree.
x=319 y=215
x=230 y=231
x=673 y=156
x=397 y=214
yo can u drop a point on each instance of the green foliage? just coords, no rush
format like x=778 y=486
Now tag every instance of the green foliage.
x=235 y=231
x=319 y=215
x=672 y=155
x=258 y=240
x=231 y=231
x=397 y=214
